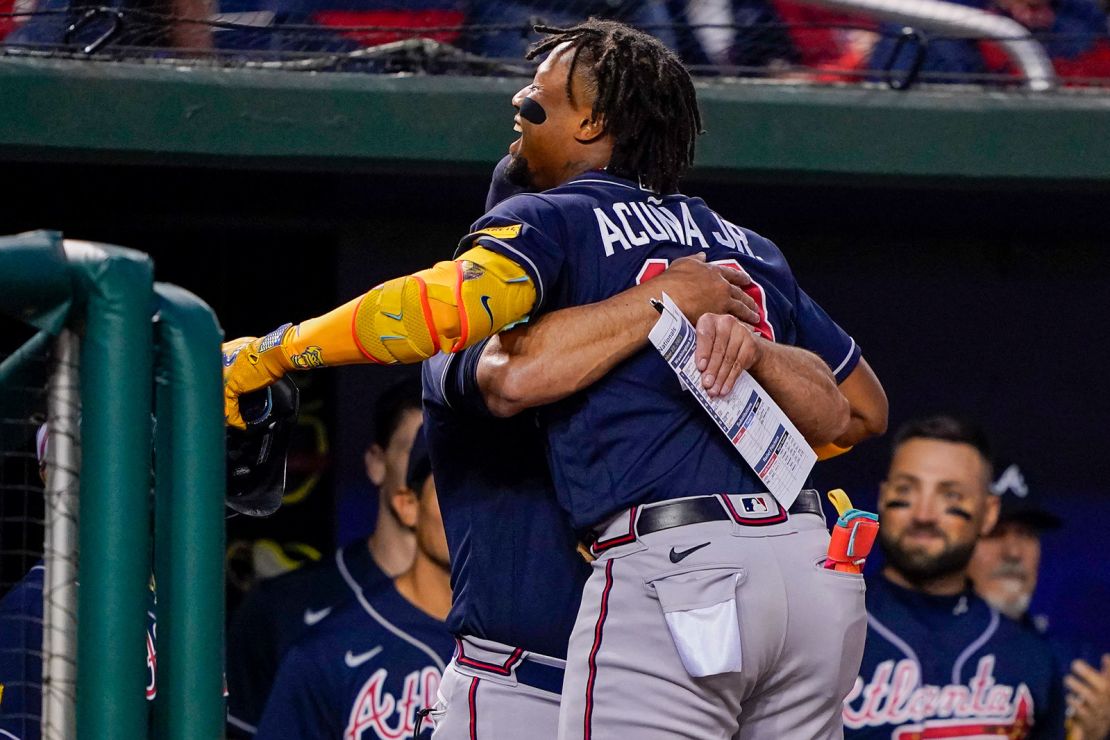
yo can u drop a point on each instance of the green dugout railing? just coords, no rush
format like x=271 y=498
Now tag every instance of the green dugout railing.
x=297 y=121
x=133 y=347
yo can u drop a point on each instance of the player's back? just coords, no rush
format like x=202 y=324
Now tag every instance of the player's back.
x=515 y=576
x=363 y=673
x=635 y=436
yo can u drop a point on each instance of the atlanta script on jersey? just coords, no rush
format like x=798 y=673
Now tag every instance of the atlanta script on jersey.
x=950 y=667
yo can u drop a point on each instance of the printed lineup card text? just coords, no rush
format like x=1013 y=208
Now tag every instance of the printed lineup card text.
x=767 y=440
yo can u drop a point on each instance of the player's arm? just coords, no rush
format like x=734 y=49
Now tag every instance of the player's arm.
x=569 y=350
x=867 y=403
x=405 y=320
x=818 y=333
x=801 y=383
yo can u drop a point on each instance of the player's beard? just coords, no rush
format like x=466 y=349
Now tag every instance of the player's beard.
x=920 y=568
x=1007 y=590
x=518 y=173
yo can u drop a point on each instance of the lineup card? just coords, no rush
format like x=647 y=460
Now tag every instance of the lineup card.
x=767 y=440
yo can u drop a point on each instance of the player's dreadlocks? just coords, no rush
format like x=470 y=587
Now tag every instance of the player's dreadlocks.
x=643 y=95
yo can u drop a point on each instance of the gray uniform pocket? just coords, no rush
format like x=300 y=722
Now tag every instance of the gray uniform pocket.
x=700 y=609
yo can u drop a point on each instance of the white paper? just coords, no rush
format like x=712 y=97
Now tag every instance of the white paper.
x=763 y=435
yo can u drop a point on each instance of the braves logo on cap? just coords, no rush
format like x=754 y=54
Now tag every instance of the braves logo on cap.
x=1011 y=481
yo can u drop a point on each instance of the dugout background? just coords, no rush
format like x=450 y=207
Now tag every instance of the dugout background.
x=979 y=292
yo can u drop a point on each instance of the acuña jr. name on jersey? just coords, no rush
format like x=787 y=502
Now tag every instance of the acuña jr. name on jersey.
x=638 y=223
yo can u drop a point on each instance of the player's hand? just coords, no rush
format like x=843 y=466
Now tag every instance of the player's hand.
x=699 y=288
x=1089 y=700
x=251 y=363
x=726 y=347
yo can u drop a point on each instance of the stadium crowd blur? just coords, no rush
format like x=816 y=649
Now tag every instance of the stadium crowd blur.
x=781 y=39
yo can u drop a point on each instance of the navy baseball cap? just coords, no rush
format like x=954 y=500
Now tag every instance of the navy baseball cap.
x=420 y=463
x=1019 y=504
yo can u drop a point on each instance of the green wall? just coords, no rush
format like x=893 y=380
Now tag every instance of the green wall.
x=114 y=112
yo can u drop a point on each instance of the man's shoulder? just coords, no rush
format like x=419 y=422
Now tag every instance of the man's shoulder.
x=26 y=595
x=379 y=615
x=1024 y=637
x=586 y=191
x=522 y=204
x=326 y=577
x=335 y=628
x=297 y=585
x=308 y=594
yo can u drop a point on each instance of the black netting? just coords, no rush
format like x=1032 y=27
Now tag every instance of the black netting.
x=22 y=410
x=777 y=40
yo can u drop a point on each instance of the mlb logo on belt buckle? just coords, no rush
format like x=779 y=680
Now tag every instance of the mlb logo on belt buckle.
x=755 y=505
x=757 y=509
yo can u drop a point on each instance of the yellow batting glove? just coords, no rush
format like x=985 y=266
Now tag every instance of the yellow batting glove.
x=251 y=363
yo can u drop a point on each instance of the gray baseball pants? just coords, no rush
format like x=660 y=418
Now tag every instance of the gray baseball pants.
x=746 y=636
x=492 y=691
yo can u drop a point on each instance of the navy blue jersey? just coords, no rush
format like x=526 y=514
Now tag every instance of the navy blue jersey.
x=21 y=657
x=515 y=575
x=21 y=614
x=636 y=436
x=1067 y=648
x=363 y=674
x=952 y=667
x=275 y=614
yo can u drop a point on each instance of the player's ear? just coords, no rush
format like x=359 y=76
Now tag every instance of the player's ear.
x=589 y=130
x=406 y=506
x=374 y=459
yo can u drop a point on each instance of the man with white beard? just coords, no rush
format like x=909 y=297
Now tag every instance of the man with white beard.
x=1004 y=570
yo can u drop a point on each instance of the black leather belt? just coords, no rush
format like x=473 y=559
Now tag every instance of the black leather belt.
x=711 y=509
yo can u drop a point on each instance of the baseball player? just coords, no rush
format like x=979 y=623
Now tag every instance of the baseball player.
x=21 y=622
x=369 y=668
x=698 y=601
x=940 y=662
x=503 y=521
x=279 y=610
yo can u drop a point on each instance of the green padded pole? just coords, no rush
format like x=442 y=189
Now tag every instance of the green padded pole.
x=189 y=519
x=34 y=279
x=116 y=379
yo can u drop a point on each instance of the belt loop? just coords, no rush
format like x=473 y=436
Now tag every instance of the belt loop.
x=599 y=546
x=729 y=509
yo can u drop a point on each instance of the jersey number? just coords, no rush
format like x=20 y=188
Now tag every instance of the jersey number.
x=655 y=266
